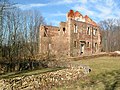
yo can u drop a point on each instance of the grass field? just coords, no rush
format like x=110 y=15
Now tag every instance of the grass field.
x=105 y=75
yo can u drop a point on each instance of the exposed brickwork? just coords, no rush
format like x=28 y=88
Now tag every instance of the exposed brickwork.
x=79 y=35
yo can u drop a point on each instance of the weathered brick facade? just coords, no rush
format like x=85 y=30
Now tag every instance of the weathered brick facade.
x=79 y=35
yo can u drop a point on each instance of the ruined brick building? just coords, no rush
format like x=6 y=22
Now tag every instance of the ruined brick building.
x=79 y=35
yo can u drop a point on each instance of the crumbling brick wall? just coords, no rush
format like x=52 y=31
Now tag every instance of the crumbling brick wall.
x=56 y=41
x=72 y=38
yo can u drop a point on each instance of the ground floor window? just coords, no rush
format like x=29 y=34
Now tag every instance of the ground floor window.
x=87 y=44
x=75 y=44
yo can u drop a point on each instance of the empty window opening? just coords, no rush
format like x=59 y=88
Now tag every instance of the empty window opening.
x=94 y=31
x=95 y=45
x=75 y=44
x=75 y=28
x=81 y=49
x=64 y=30
x=88 y=44
x=50 y=47
x=88 y=30
x=45 y=33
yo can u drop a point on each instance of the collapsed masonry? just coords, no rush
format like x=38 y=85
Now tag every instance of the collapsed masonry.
x=79 y=35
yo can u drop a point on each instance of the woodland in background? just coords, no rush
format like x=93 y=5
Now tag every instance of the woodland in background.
x=110 y=35
x=18 y=37
x=18 y=31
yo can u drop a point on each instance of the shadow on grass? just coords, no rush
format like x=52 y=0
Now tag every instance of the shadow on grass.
x=28 y=72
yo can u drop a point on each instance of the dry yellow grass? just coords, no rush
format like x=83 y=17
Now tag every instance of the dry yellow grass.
x=101 y=64
x=105 y=75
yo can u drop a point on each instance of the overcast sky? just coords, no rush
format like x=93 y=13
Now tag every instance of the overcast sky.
x=55 y=11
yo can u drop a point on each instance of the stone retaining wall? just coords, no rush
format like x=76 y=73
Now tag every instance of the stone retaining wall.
x=43 y=81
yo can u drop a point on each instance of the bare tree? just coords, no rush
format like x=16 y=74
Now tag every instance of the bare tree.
x=110 y=35
x=20 y=33
x=34 y=20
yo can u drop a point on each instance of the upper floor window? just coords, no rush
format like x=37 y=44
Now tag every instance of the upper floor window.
x=45 y=32
x=88 y=30
x=75 y=28
x=94 y=31
x=64 y=30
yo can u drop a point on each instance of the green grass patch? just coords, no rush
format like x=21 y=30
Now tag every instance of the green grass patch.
x=105 y=75
x=101 y=64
